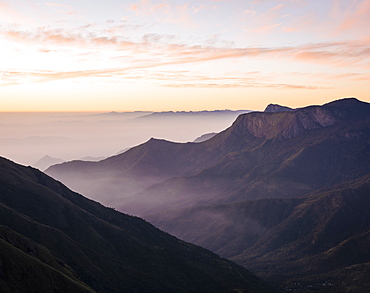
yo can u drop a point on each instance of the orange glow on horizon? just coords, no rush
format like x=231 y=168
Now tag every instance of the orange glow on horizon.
x=69 y=57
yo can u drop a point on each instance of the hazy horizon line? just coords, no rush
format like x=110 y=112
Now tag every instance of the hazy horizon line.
x=133 y=111
x=177 y=111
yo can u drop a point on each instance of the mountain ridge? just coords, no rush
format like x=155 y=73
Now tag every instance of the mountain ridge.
x=108 y=250
x=251 y=139
x=285 y=165
x=272 y=167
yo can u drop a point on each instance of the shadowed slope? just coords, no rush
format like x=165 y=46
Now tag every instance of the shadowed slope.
x=109 y=251
x=28 y=267
x=324 y=236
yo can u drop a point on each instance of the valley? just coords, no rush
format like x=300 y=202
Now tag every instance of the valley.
x=203 y=146
x=284 y=193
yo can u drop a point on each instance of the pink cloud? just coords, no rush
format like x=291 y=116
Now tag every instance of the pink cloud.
x=56 y=4
x=166 y=13
x=267 y=28
x=181 y=79
x=156 y=51
x=68 y=9
x=246 y=85
x=134 y=7
x=264 y=22
x=9 y=14
x=249 y=12
x=290 y=29
x=199 y=8
x=145 y=7
x=63 y=37
x=275 y=8
x=358 y=17
x=349 y=53
x=302 y=23
x=292 y=1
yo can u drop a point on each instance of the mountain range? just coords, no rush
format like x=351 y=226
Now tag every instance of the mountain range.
x=55 y=240
x=27 y=137
x=284 y=191
x=47 y=161
x=216 y=114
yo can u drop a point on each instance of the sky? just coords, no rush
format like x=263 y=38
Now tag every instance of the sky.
x=162 y=55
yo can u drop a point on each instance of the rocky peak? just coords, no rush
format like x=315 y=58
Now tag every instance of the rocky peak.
x=288 y=124
x=277 y=108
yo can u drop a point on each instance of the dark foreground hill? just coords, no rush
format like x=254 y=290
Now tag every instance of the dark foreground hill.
x=54 y=240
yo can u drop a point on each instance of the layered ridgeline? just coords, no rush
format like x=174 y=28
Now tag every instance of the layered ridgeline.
x=302 y=243
x=272 y=191
x=279 y=154
x=55 y=240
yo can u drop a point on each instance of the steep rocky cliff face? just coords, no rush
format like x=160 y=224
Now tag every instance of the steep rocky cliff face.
x=288 y=124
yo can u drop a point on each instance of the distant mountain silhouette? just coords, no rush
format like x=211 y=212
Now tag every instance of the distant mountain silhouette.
x=47 y=161
x=183 y=114
x=123 y=115
x=55 y=240
x=205 y=137
x=270 y=162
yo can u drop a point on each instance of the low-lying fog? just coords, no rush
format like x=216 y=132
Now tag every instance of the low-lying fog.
x=27 y=137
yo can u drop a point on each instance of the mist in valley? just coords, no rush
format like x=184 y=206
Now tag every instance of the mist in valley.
x=210 y=179
x=28 y=137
